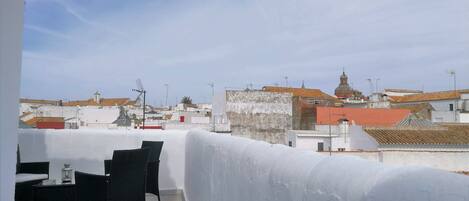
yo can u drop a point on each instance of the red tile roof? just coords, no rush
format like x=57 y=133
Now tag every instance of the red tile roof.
x=103 y=102
x=40 y=101
x=444 y=135
x=433 y=96
x=302 y=92
x=361 y=116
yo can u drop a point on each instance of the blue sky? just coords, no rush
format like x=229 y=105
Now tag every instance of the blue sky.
x=73 y=48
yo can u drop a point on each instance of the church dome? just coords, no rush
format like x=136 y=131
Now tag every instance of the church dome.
x=344 y=90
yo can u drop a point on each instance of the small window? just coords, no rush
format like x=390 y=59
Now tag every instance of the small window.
x=320 y=146
x=451 y=107
x=341 y=149
x=290 y=143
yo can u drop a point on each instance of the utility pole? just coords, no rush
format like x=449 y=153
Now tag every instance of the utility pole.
x=286 y=81
x=455 y=108
x=211 y=84
x=376 y=84
x=213 y=115
x=166 y=99
x=371 y=86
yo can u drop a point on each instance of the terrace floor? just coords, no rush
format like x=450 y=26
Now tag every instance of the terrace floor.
x=172 y=197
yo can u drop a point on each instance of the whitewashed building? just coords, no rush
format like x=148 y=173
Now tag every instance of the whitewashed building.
x=448 y=106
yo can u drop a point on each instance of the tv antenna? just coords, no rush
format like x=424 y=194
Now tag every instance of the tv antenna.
x=141 y=92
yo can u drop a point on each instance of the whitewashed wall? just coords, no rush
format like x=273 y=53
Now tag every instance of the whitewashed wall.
x=86 y=150
x=226 y=168
x=451 y=161
x=11 y=29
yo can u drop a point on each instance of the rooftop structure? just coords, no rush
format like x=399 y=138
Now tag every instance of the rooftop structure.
x=361 y=116
x=345 y=91
x=401 y=92
x=41 y=101
x=97 y=100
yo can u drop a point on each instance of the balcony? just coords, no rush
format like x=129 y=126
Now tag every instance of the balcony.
x=201 y=166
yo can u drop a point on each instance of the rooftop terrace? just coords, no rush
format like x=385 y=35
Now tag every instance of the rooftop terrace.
x=204 y=166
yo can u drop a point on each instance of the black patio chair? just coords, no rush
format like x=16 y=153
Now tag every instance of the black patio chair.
x=32 y=173
x=126 y=180
x=153 y=166
x=90 y=187
x=152 y=169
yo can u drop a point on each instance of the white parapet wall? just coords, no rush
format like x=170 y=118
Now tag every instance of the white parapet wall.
x=86 y=150
x=226 y=168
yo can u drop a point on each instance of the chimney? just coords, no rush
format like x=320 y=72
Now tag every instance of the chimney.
x=97 y=97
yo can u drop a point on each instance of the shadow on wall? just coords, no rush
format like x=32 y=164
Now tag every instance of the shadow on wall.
x=167 y=178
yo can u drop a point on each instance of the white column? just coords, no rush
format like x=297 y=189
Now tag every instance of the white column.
x=11 y=31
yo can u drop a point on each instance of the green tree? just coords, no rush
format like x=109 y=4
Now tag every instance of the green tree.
x=186 y=100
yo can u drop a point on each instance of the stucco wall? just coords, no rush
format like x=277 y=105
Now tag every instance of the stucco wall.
x=259 y=115
x=451 y=161
x=227 y=168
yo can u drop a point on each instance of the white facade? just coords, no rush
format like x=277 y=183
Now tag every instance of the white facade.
x=87 y=116
x=449 y=111
x=379 y=100
x=11 y=29
x=96 y=117
x=343 y=137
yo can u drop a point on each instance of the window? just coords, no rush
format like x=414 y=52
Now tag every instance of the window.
x=451 y=107
x=341 y=149
x=320 y=146
x=290 y=143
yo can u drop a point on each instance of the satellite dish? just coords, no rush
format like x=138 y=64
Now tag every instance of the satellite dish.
x=141 y=91
x=139 y=84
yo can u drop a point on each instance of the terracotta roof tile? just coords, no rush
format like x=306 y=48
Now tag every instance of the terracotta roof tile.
x=39 y=101
x=302 y=92
x=414 y=108
x=403 y=90
x=440 y=95
x=445 y=135
x=103 y=102
x=361 y=116
x=34 y=120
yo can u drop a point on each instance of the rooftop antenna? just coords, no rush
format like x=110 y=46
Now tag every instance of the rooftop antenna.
x=166 y=99
x=370 y=81
x=141 y=91
x=212 y=85
x=376 y=84
x=453 y=74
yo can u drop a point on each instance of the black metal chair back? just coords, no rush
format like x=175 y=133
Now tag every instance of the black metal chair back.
x=128 y=172
x=90 y=187
x=153 y=166
x=155 y=149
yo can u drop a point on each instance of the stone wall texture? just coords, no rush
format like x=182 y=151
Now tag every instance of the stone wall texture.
x=260 y=115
